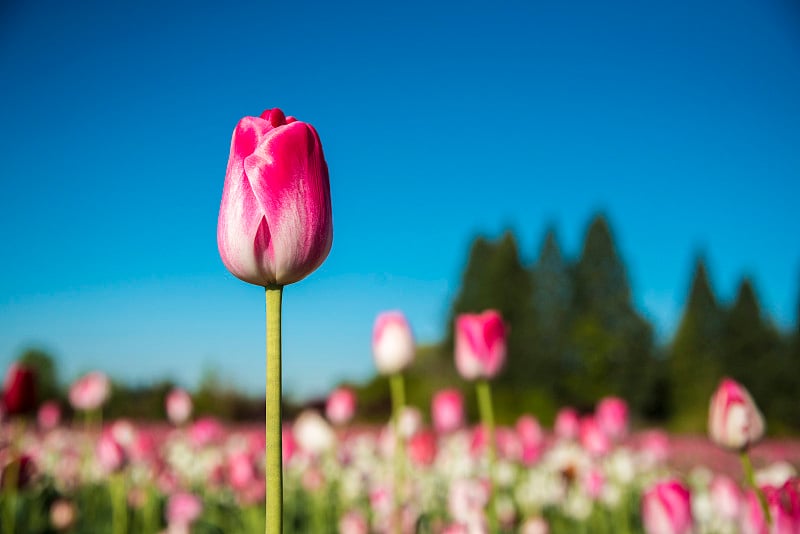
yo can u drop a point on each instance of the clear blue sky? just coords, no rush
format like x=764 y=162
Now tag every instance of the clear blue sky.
x=440 y=120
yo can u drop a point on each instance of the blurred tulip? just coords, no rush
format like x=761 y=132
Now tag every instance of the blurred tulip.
x=480 y=344
x=593 y=482
x=275 y=222
x=205 y=431
x=179 y=406
x=534 y=525
x=592 y=437
x=241 y=471
x=531 y=437
x=392 y=343
x=567 y=425
x=726 y=497
x=62 y=514
x=410 y=421
x=447 y=410
x=313 y=433
x=666 y=508
x=90 y=392
x=655 y=446
x=110 y=454
x=612 y=416
x=422 y=448
x=734 y=421
x=784 y=507
x=341 y=406
x=19 y=390
x=183 y=509
x=49 y=415
x=288 y=445
x=353 y=522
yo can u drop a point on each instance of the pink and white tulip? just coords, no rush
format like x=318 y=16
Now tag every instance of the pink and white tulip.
x=341 y=406
x=183 y=509
x=392 y=343
x=567 y=425
x=734 y=420
x=726 y=497
x=313 y=434
x=275 y=222
x=179 y=406
x=592 y=437
x=49 y=415
x=90 y=391
x=666 y=508
x=531 y=437
x=447 y=410
x=480 y=345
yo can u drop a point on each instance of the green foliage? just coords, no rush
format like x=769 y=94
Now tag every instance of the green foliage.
x=46 y=373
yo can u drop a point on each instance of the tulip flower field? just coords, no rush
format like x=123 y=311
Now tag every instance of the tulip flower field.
x=587 y=474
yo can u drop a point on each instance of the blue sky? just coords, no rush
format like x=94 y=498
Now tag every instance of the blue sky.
x=439 y=121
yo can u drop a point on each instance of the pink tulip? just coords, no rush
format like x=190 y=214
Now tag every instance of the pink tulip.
x=19 y=390
x=593 y=482
x=275 y=221
x=784 y=507
x=90 y=392
x=535 y=525
x=341 y=406
x=49 y=415
x=592 y=437
x=205 y=431
x=726 y=497
x=666 y=508
x=179 y=406
x=241 y=471
x=612 y=416
x=734 y=421
x=313 y=433
x=110 y=454
x=288 y=445
x=353 y=522
x=655 y=446
x=183 y=509
x=480 y=344
x=567 y=425
x=422 y=448
x=447 y=410
x=392 y=343
x=531 y=437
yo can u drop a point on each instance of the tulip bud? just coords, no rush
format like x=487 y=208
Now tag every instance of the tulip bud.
x=341 y=406
x=90 y=391
x=110 y=454
x=392 y=343
x=275 y=221
x=179 y=406
x=422 y=448
x=726 y=497
x=49 y=415
x=62 y=514
x=612 y=416
x=447 y=410
x=592 y=437
x=183 y=509
x=666 y=509
x=313 y=433
x=480 y=344
x=19 y=390
x=734 y=421
x=567 y=423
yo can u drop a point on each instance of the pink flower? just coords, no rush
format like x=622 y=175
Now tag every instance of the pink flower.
x=612 y=416
x=422 y=448
x=655 y=446
x=49 y=415
x=241 y=471
x=593 y=483
x=535 y=525
x=784 y=506
x=19 y=390
x=288 y=445
x=447 y=410
x=313 y=433
x=531 y=437
x=275 y=221
x=353 y=522
x=110 y=454
x=183 y=509
x=205 y=431
x=480 y=344
x=726 y=497
x=90 y=392
x=392 y=343
x=62 y=514
x=567 y=423
x=593 y=439
x=341 y=406
x=179 y=406
x=734 y=421
x=666 y=508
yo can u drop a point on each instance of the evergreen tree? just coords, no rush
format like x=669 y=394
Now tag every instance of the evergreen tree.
x=495 y=277
x=42 y=363
x=552 y=301
x=611 y=345
x=695 y=357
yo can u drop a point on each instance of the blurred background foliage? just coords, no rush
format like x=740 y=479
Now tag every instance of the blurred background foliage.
x=575 y=336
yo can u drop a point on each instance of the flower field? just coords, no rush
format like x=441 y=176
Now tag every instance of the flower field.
x=585 y=475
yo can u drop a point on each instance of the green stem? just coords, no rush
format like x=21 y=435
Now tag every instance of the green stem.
x=149 y=512
x=119 y=506
x=273 y=466
x=747 y=465
x=487 y=418
x=398 y=392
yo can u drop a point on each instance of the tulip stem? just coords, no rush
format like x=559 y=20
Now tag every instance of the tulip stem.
x=273 y=466
x=398 y=392
x=749 y=476
x=486 y=410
